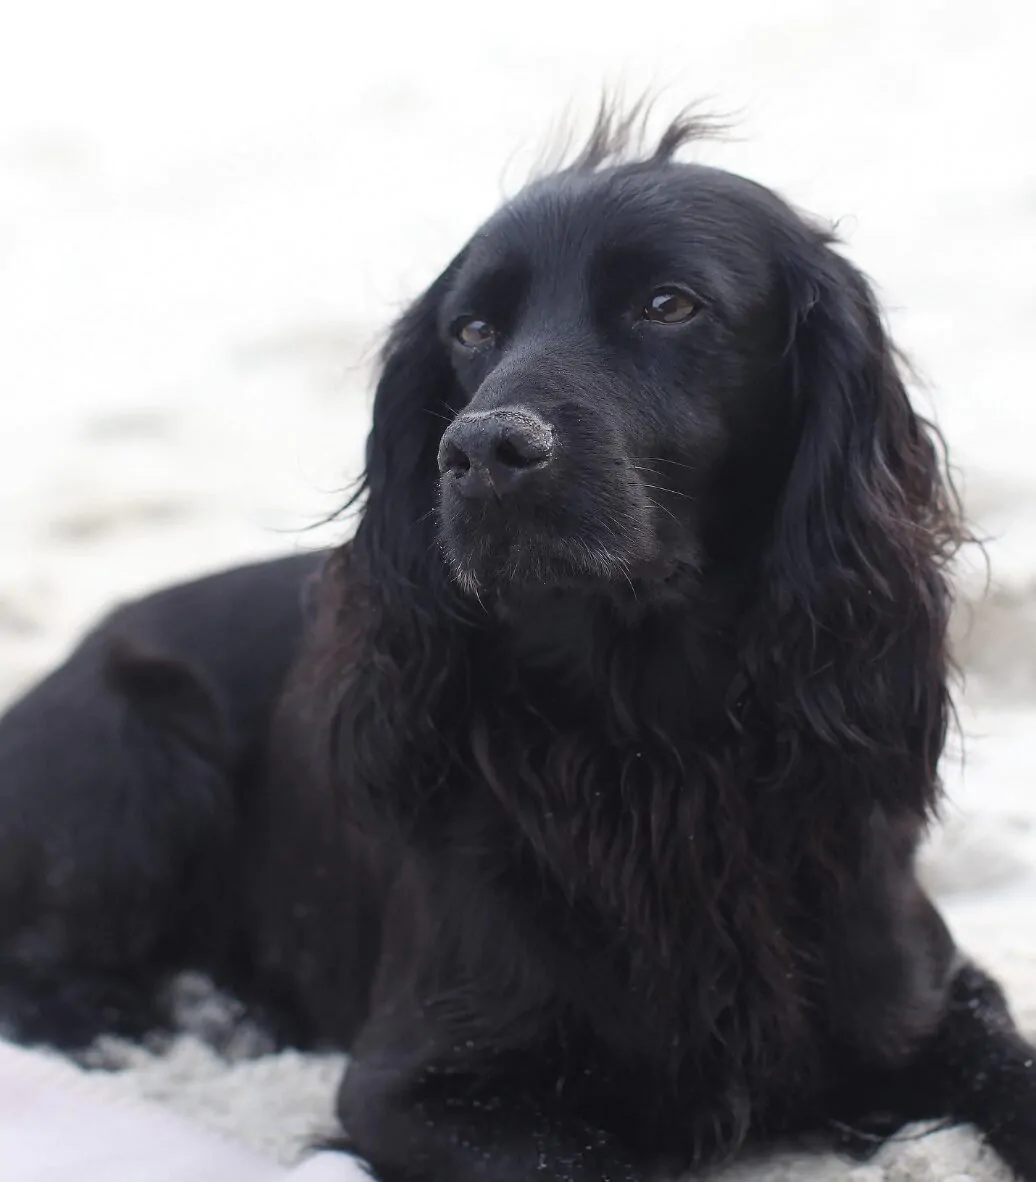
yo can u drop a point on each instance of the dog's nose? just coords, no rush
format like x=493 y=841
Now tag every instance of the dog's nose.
x=491 y=453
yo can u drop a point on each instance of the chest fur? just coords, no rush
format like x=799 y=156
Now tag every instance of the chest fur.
x=678 y=892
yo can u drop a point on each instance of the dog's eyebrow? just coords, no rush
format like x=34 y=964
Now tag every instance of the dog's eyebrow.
x=630 y=263
x=495 y=291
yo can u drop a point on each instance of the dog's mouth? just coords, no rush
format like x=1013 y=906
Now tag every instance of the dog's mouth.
x=498 y=565
x=489 y=550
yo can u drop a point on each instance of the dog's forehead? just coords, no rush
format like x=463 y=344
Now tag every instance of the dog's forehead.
x=715 y=231
x=571 y=214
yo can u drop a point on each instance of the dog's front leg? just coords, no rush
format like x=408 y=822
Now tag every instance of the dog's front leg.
x=978 y=1067
x=446 y=1127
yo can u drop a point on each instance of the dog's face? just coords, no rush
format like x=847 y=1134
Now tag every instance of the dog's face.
x=618 y=340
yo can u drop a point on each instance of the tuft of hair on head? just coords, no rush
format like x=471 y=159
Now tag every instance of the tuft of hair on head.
x=622 y=134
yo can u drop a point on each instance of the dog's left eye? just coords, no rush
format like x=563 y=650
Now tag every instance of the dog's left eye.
x=473 y=333
x=670 y=305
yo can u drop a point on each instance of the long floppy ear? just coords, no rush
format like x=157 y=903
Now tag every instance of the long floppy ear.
x=384 y=652
x=416 y=396
x=858 y=591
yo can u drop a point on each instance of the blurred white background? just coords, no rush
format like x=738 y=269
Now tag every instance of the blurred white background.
x=210 y=211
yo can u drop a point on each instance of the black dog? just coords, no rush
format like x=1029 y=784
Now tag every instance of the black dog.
x=587 y=815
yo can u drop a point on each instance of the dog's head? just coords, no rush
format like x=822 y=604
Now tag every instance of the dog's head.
x=635 y=369
x=616 y=339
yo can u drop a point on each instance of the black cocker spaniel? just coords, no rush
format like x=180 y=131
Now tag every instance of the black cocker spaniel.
x=578 y=794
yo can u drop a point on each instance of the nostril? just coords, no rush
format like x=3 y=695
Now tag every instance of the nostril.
x=511 y=457
x=520 y=450
x=454 y=459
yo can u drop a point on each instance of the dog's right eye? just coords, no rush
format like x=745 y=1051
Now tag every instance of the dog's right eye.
x=473 y=333
x=670 y=305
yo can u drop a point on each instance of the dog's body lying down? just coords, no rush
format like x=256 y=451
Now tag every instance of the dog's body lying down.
x=578 y=795
x=124 y=779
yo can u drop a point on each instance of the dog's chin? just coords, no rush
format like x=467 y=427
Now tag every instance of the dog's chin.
x=490 y=564
x=491 y=567
x=520 y=567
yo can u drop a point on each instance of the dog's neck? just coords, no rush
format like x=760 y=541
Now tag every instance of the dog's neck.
x=588 y=653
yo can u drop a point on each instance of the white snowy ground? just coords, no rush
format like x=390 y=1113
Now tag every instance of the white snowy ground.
x=209 y=210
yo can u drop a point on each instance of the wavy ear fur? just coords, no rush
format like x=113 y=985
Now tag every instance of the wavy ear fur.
x=378 y=640
x=858 y=596
x=416 y=396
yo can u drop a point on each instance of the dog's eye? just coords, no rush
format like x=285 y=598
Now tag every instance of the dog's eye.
x=474 y=333
x=670 y=305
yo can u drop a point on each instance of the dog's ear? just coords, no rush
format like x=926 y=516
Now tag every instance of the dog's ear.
x=381 y=653
x=416 y=397
x=858 y=590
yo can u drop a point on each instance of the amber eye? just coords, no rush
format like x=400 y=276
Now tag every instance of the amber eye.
x=670 y=305
x=474 y=333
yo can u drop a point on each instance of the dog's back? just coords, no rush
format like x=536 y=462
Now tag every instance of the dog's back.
x=120 y=774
